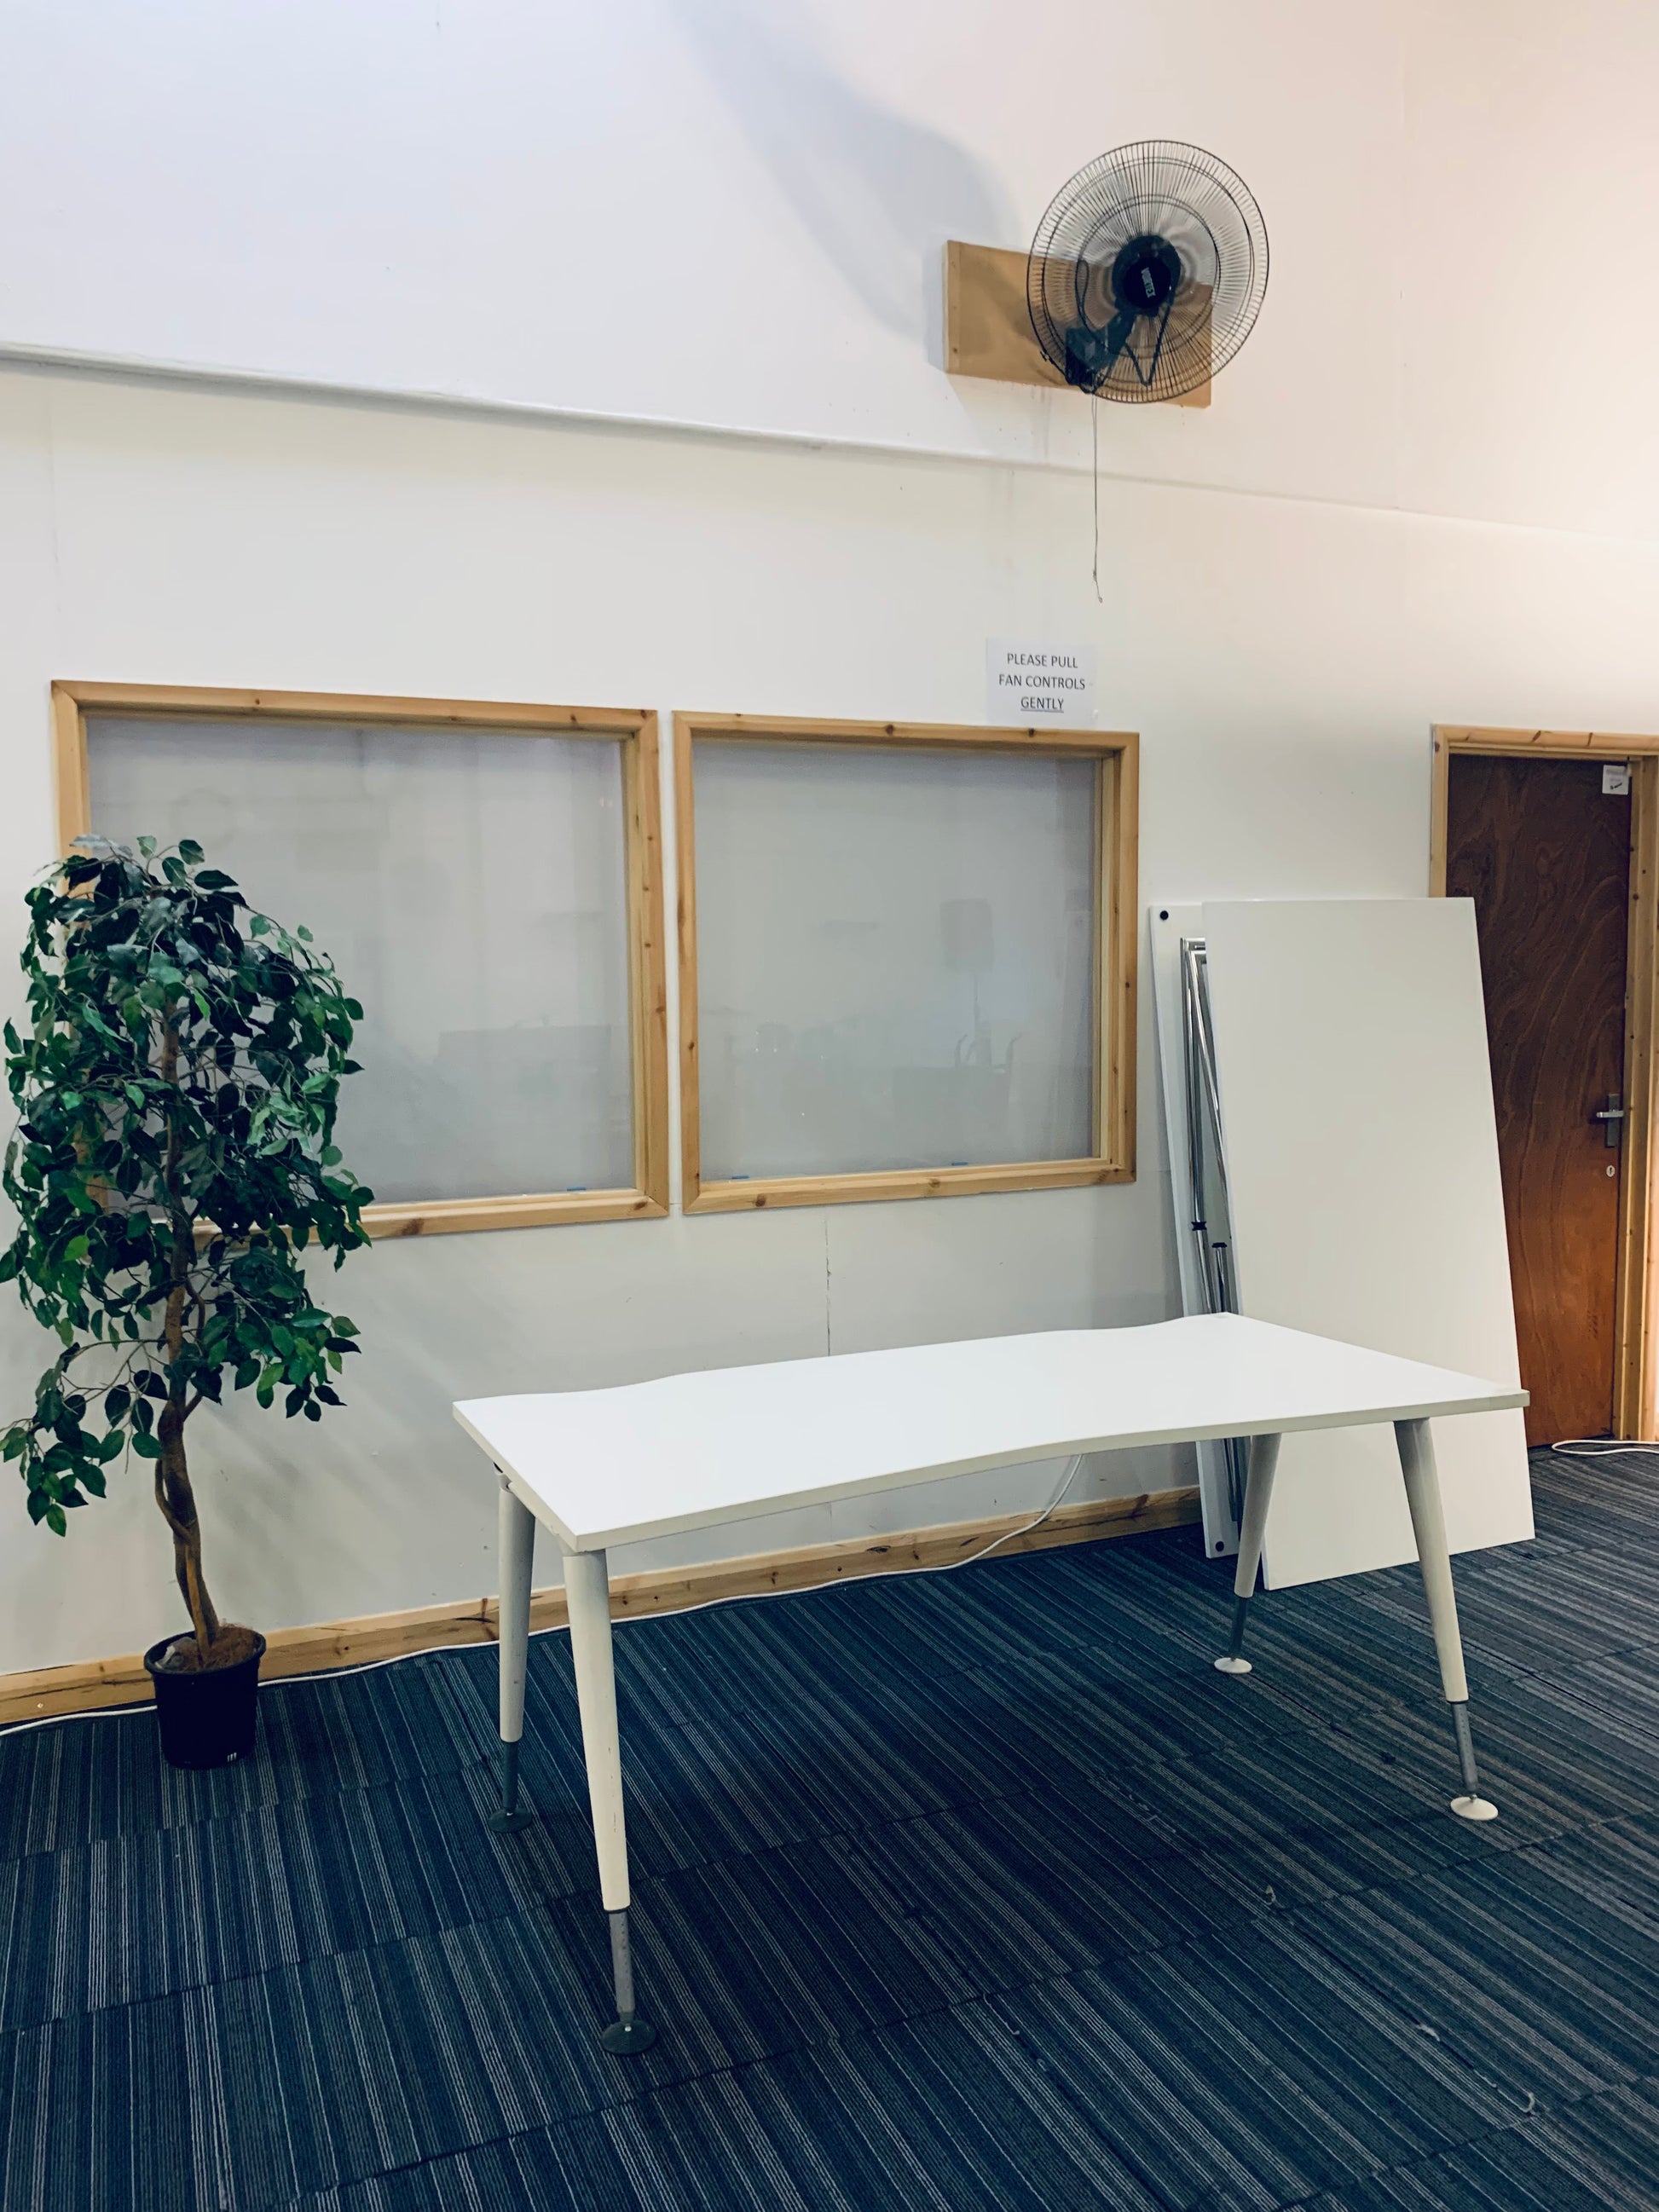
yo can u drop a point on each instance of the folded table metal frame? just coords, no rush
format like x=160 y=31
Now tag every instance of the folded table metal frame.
x=622 y=1466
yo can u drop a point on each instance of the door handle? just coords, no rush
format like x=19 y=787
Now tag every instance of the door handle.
x=1610 y=1116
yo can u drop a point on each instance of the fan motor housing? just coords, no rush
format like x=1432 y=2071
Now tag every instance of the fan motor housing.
x=1145 y=276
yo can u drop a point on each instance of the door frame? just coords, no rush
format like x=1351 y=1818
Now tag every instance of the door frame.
x=1636 y=1321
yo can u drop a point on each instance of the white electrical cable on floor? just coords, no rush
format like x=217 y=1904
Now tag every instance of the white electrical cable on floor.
x=369 y=1666
x=1600 y=1447
x=945 y=1566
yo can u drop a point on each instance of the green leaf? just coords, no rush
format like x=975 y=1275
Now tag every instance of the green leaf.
x=180 y=1061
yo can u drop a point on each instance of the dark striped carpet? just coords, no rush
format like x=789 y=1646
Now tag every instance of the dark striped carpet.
x=981 y=1889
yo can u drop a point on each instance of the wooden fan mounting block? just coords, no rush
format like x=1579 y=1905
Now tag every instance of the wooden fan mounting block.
x=987 y=324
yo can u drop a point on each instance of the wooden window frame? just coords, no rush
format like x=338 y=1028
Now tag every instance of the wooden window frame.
x=634 y=729
x=1116 y=753
x=1636 y=1326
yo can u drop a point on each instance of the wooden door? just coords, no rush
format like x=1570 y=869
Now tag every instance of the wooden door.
x=1544 y=852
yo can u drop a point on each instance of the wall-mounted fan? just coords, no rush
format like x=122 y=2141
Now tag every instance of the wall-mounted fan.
x=1147 y=272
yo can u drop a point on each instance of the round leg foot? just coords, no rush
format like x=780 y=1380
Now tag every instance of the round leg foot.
x=624 y=2037
x=1228 y=1665
x=1475 y=1808
x=508 y=1824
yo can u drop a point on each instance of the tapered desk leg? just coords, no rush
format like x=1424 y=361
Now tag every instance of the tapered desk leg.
x=1258 y=1495
x=516 y=1538
x=587 y=1592
x=1429 y=1526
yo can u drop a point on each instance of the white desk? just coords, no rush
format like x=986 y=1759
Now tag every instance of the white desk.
x=691 y=1451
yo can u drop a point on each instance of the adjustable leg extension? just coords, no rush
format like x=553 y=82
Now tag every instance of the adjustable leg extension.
x=628 y=2032
x=509 y=1815
x=1471 y=1806
x=1233 y=1661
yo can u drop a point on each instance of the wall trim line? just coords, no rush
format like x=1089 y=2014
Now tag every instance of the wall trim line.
x=31 y=359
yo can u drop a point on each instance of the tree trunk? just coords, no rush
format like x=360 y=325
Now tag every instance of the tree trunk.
x=172 y=1491
x=177 y=1503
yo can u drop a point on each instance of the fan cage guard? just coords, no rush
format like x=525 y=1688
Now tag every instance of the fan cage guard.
x=1157 y=191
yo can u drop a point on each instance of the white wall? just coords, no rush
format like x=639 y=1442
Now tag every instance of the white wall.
x=413 y=193
x=1283 y=660
x=733 y=211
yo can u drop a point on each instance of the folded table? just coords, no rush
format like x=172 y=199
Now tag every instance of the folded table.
x=623 y=1465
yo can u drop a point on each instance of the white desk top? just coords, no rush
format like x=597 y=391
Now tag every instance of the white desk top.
x=729 y=1443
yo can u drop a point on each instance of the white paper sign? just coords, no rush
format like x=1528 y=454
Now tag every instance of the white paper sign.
x=1028 y=681
x=1615 y=779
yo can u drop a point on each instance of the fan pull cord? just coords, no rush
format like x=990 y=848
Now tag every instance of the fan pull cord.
x=1094 y=441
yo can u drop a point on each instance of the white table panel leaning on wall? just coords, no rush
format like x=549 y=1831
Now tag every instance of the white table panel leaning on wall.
x=621 y=1466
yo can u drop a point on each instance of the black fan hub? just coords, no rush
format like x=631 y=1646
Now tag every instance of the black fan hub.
x=1145 y=276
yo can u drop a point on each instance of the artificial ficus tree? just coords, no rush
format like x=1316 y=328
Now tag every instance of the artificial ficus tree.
x=174 y=1157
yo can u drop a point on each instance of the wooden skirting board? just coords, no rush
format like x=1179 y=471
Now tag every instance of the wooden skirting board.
x=47 y=1690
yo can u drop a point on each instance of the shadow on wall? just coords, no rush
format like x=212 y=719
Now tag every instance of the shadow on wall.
x=879 y=194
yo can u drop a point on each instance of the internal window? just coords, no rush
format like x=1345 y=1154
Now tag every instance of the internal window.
x=481 y=888
x=907 y=963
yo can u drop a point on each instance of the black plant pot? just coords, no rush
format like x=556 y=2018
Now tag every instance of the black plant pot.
x=206 y=1719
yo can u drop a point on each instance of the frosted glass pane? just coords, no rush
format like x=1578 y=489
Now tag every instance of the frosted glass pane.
x=896 y=958
x=470 y=889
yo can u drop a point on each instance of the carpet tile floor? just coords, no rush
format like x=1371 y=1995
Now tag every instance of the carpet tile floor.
x=974 y=1890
